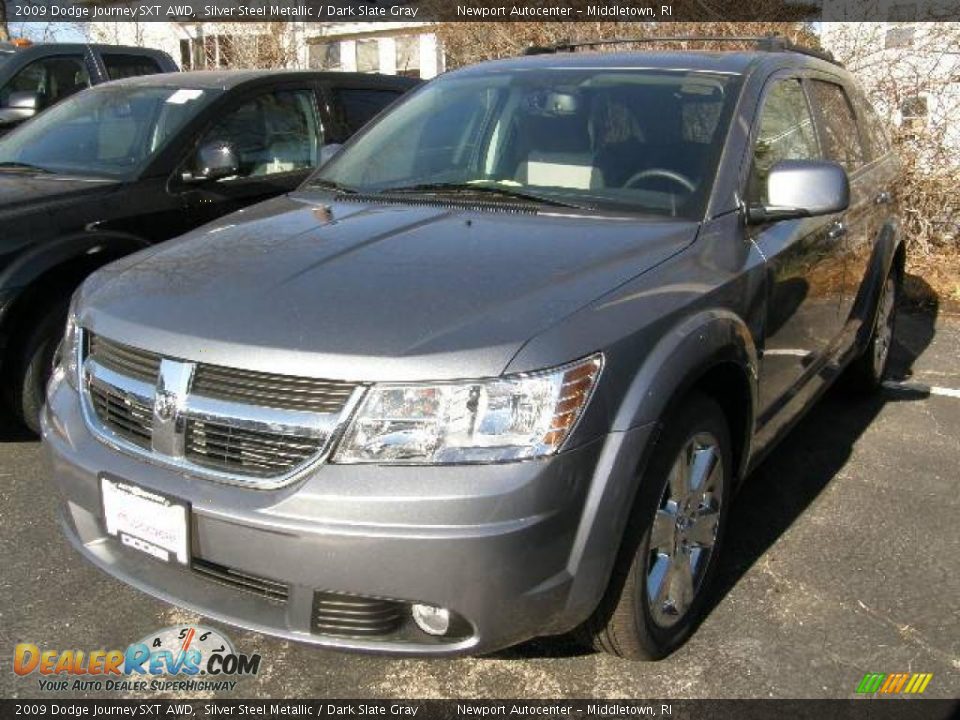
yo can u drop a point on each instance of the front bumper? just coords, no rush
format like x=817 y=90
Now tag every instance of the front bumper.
x=501 y=545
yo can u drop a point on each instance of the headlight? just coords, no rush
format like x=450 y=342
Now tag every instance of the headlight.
x=508 y=418
x=68 y=354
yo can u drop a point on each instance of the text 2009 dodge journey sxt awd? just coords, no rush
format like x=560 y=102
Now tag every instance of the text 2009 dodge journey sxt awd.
x=497 y=369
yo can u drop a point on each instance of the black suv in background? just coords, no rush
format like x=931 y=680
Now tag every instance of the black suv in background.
x=134 y=162
x=35 y=77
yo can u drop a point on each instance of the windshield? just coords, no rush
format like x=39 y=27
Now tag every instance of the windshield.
x=639 y=140
x=110 y=132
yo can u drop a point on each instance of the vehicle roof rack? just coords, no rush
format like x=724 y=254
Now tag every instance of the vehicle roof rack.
x=764 y=43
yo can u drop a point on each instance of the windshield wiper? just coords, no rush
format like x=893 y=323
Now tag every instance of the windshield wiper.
x=467 y=188
x=331 y=185
x=24 y=166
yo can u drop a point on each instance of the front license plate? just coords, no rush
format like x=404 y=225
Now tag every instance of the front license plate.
x=146 y=520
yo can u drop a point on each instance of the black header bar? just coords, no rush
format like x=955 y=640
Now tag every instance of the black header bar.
x=638 y=11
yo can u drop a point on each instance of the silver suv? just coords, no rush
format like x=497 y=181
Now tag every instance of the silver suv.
x=496 y=370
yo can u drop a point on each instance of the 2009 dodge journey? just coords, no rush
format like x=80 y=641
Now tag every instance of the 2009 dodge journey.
x=496 y=370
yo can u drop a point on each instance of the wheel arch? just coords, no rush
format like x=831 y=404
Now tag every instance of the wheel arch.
x=42 y=277
x=889 y=255
x=712 y=352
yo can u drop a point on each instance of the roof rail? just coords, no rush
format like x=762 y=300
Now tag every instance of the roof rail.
x=764 y=43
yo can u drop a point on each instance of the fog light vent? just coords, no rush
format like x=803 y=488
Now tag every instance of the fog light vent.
x=354 y=616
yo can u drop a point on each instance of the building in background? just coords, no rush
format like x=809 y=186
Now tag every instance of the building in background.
x=409 y=49
x=911 y=70
x=394 y=48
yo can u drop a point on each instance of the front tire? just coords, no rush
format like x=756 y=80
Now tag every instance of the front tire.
x=656 y=595
x=33 y=365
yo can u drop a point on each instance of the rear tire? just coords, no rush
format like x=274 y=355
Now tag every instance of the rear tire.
x=33 y=364
x=867 y=372
x=655 y=598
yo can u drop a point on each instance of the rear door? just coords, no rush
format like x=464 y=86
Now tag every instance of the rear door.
x=804 y=256
x=842 y=142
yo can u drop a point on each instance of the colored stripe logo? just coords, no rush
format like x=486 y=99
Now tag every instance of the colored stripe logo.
x=894 y=683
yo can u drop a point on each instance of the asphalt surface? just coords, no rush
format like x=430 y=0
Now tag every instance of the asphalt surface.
x=843 y=557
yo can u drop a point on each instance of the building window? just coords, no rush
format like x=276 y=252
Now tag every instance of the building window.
x=900 y=36
x=368 y=56
x=208 y=52
x=325 y=56
x=408 y=56
x=914 y=111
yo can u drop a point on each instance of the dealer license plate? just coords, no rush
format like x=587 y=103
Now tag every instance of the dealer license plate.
x=146 y=520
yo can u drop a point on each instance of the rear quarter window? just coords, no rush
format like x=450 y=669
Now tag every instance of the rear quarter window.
x=121 y=66
x=355 y=107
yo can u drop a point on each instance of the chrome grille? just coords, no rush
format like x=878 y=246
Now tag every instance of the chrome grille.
x=222 y=446
x=124 y=359
x=236 y=426
x=280 y=391
x=123 y=414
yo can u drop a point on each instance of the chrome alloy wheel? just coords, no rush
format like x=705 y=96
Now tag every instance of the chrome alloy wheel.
x=684 y=530
x=883 y=337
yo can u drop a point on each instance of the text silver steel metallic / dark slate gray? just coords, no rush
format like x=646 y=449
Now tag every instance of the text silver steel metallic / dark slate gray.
x=341 y=383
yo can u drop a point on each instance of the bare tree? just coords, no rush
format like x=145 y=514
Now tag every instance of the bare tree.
x=466 y=43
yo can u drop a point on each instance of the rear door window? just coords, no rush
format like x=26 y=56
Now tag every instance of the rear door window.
x=875 y=130
x=838 y=125
x=121 y=66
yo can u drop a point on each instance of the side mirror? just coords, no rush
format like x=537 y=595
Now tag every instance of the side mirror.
x=21 y=105
x=328 y=151
x=803 y=188
x=214 y=161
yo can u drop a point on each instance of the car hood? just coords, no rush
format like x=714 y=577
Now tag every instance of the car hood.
x=23 y=189
x=362 y=291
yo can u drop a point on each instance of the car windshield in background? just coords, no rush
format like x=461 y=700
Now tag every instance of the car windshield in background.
x=109 y=132
x=644 y=141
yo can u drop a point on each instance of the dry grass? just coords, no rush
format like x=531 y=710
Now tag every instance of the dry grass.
x=933 y=281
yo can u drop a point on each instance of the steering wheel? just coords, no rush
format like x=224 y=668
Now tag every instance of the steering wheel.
x=682 y=180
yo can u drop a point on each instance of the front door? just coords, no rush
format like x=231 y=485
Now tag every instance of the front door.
x=804 y=256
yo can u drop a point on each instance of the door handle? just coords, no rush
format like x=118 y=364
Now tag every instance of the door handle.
x=837 y=230
x=883 y=198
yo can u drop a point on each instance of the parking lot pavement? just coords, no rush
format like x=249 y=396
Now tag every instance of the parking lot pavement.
x=843 y=557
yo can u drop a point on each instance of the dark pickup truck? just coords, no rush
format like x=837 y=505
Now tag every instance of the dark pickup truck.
x=137 y=161
x=34 y=77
